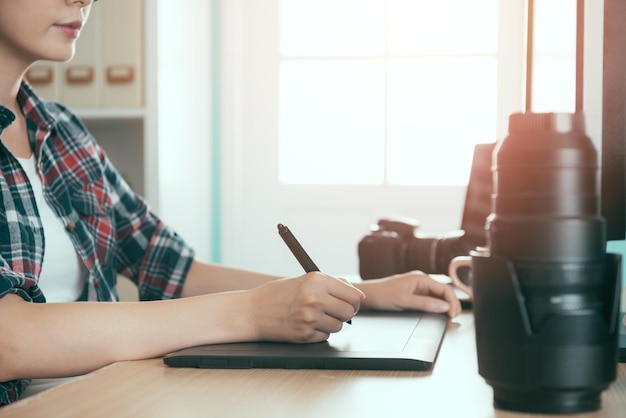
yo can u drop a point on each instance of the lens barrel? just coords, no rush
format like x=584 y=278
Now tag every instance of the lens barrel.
x=546 y=204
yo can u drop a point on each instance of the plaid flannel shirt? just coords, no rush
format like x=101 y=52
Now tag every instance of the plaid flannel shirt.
x=110 y=226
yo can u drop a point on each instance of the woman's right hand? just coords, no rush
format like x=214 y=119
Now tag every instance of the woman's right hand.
x=303 y=309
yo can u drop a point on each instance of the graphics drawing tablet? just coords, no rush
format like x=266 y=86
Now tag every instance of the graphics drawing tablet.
x=374 y=341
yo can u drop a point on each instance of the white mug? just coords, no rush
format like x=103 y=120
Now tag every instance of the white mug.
x=464 y=261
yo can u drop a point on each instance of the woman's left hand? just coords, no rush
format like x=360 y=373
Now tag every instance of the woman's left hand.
x=409 y=291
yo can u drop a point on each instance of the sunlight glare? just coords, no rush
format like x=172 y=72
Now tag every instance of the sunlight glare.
x=385 y=91
x=331 y=122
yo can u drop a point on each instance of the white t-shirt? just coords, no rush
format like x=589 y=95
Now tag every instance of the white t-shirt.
x=63 y=273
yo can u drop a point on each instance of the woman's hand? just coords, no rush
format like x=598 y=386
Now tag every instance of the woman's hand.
x=410 y=291
x=304 y=309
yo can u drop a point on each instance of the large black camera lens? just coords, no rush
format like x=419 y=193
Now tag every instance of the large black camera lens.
x=546 y=216
x=544 y=299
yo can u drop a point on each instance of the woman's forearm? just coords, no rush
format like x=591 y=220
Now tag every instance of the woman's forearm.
x=65 y=339
x=204 y=278
x=40 y=340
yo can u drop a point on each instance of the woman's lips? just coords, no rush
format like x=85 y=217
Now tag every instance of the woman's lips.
x=71 y=29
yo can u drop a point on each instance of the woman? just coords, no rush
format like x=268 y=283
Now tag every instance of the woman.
x=69 y=224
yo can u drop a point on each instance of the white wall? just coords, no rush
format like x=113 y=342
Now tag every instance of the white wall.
x=594 y=18
x=183 y=123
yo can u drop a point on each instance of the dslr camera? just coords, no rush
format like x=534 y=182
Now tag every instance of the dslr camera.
x=395 y=246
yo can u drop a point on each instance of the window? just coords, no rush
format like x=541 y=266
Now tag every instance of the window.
x=335 y=113
x=393 y=87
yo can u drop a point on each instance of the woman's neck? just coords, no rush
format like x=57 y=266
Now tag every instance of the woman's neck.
x=11 y=74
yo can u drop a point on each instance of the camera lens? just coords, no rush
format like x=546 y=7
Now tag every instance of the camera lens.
x=432 y=254
x=546 y=212
x=544 y=298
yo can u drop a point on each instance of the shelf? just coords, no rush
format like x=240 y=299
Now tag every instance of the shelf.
x=110 y=113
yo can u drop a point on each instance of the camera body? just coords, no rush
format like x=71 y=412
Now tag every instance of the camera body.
x=395 y=246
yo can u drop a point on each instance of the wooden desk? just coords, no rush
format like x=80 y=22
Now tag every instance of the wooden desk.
x=148 y=388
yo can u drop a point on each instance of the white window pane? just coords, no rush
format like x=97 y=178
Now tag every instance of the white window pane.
x=443 y=26
x=331 y=122
x=554 y=84
x=554 y=59
x=438 y=109
x=332 y=27
x=555 y=26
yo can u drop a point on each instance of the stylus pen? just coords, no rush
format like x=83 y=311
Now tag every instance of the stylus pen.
x=303 y=258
